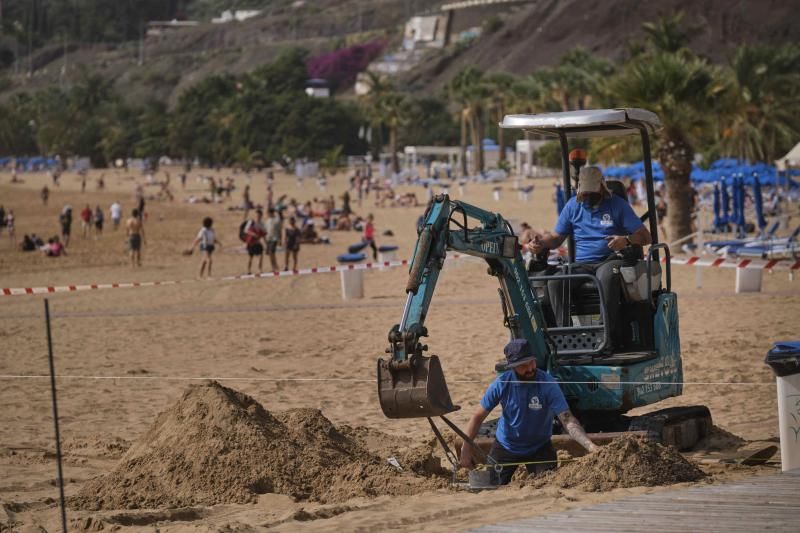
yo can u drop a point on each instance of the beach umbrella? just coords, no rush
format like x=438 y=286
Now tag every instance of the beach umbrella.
x=759 y=203
x=740 y=222
x=726 y=202
x=717 y=209
x=559 y=199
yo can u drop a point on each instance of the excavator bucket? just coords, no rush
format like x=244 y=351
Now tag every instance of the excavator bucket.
x=414 y=388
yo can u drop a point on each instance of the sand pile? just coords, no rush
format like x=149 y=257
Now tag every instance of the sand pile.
x=216 y=445
x=628 y=461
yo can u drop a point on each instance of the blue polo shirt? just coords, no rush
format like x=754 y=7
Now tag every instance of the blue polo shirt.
x=590 y=227
x=528 y=410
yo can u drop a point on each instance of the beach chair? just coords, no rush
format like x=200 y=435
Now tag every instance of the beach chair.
x=723 y=247
x=774 y=249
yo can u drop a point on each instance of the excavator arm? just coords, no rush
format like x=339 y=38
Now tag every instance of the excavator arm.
x=411 y=384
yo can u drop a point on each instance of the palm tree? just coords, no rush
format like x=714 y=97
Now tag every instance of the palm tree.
x=572 y=83
x=501 y=98
x=248 y=159
x=684 y=92
x=330 y=160
x=379 y=86
x=469 y=89
x=394 y=109
x=762 y=111
x=669 y=33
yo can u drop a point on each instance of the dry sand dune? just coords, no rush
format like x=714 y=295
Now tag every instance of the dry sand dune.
x=292 y=343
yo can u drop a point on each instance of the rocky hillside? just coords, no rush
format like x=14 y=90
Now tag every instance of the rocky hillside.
x=525 y=35
x=163 y=65
x=537 y=33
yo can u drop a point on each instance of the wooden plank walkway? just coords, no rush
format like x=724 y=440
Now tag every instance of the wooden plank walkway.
x=770 y=503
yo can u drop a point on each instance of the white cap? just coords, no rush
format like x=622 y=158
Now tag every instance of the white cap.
x=590 y=179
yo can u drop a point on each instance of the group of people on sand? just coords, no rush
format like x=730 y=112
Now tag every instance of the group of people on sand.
x=263 y=237
x=272 y=234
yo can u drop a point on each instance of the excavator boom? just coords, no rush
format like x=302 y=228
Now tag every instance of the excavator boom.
x=412 y=385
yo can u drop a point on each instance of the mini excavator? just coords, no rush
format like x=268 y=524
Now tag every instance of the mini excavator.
x=603 y=374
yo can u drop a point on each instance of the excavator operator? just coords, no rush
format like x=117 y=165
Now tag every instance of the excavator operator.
x=602 y=224
x=530 y=399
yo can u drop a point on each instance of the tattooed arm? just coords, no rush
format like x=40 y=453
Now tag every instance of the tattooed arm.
x=575 y=430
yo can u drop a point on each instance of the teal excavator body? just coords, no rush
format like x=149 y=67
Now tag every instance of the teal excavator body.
x=599 y=386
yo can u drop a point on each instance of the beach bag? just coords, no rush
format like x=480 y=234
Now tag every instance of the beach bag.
x=243 y=231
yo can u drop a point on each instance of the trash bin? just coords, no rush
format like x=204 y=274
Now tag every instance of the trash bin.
x=784 y=359
x=352 y=280
x=387 y=253
x=748 y=280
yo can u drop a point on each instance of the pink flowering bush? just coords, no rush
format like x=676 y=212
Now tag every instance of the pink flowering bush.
x=341 y=67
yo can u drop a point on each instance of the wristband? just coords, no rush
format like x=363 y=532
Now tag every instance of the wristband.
x=628 y=238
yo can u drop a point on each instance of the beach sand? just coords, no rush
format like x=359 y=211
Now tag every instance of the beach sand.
x=291 y=342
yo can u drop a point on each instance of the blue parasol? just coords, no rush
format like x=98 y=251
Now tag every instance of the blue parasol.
x=726 y=203
x=740 y=221
x=759 y=203
x=559 y=199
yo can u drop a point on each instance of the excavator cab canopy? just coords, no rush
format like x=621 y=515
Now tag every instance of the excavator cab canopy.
x=586 y=123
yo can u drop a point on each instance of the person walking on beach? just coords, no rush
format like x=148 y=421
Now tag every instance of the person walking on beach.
x=45 y=194
x=116 y=214
x=369 y=235
x=9 y=222
x=99 y=218
x=207 y=239
x=139 y=196
x=86 y=220
x=254 y=233
x=247 y=205
x=135 y=230
x=65 y=219
x=292 y=240
x=274 y=231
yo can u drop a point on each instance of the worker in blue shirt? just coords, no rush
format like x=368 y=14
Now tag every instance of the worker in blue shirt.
x=530 y=399
x=602 y=224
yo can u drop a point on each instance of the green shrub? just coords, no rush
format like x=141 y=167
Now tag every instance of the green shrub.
x=492 y=24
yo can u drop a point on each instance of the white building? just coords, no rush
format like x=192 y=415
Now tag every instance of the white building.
x=238 y=15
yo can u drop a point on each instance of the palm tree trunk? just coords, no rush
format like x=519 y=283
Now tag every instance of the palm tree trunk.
x=564 y=96
x=393 y=149
x=481 y=130
x=476 y=142
x=464 y=171
x=675 y=156
x=501 y=139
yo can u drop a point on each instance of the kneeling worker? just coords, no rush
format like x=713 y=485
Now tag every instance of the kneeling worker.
x=530 y=399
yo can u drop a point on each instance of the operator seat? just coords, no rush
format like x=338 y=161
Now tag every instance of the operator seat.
x=633 y=332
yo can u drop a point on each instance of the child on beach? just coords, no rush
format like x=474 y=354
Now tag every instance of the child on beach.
x=207 y=239
x=292 y=241
x=369 y=236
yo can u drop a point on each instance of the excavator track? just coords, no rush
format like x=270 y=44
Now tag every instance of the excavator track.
x=681 y=427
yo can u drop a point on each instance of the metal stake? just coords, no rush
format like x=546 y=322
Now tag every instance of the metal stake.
x=55 y=415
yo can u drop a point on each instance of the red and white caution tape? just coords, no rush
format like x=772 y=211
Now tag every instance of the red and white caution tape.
x=695 y=261
x=721 y=262
x=302 y=272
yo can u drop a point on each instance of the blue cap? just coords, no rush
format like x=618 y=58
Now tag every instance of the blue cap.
x=518 y=352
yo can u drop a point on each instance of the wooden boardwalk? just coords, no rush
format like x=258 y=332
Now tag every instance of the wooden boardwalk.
x=763 y=503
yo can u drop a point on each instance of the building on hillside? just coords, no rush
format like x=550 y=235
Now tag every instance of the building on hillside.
x=427 y=30
x=526 y=161
x=156 y=28
x=491 y=154
x=318 y=88
x=238 y=15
